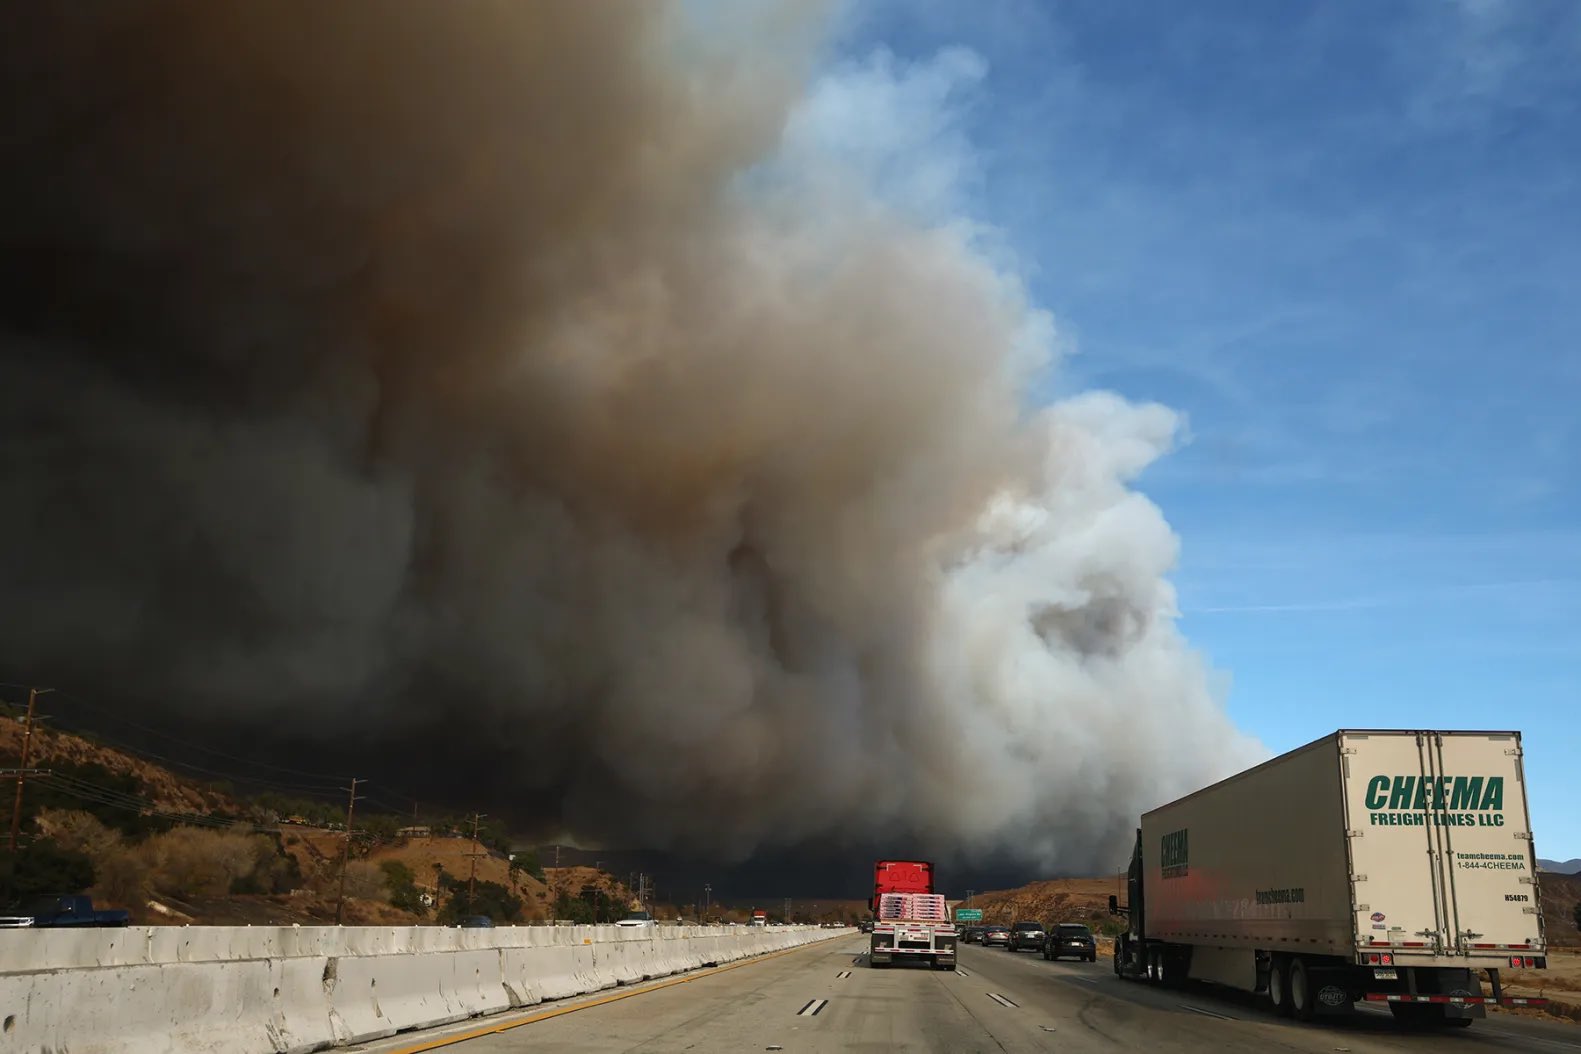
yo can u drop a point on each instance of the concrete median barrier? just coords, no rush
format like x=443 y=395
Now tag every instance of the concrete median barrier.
x=281 y=990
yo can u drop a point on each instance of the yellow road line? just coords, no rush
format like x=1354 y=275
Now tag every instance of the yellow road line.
x=479 y=1033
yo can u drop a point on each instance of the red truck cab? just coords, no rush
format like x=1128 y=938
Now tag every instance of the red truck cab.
x=900 y=876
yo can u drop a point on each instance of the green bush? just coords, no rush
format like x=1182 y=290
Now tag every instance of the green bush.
x=402 y=884
x=42 y=868
x=486 y=898
x=526 y=862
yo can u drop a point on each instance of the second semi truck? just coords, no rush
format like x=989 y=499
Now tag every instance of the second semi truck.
x=1387 y=867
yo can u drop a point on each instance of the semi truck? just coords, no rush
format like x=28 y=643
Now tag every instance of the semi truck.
x=1386 y=867
x=910 y=921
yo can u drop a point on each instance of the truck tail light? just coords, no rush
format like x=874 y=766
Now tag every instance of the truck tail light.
x=1519 y=961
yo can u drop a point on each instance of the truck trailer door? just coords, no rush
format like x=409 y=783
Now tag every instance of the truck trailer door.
x=1399 y=901
x=1485 y=856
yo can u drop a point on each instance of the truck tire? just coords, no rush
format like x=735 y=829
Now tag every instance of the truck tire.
x=1279 y=985
x=1303 y=993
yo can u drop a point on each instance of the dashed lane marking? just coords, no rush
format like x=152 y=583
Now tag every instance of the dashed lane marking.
x=1206 y=1013
x=813 y=1007
x=1002 y=1001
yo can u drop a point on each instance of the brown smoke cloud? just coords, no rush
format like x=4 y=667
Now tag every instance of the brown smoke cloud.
x=501 y=361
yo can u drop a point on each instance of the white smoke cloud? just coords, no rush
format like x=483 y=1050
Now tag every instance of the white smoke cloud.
x=671 y=416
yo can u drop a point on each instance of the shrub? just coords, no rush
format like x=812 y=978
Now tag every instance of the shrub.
x=78 y=831
x=365 y=881
x=41 y=868
x=402 y=886
x=122 y=877
x=195 y=861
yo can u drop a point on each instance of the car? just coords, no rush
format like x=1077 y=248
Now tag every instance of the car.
x=1071 y=939
x=1025 y=935
x=993 y=935
x=475 y=922
x=865 y=926
x=635 y=920
x=972 y=935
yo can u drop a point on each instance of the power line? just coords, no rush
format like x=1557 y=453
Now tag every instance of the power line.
x=198 y=746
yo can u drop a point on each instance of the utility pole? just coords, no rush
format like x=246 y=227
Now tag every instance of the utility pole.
x=345 y=853
x=786 y=916
x=708 y=892
x=472 y=879
x=969 y=893
x=27 y=755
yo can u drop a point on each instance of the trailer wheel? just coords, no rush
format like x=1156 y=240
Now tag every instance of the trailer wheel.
x=1303 y=1000
x=1279 y=985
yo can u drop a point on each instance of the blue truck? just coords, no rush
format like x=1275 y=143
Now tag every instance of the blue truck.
x=61 y=910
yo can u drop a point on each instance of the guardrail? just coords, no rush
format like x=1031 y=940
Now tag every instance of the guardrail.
x=277 y=990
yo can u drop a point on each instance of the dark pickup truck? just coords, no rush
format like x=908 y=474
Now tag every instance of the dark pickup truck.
x=64 y=910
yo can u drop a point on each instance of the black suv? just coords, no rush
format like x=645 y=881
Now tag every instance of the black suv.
x=1025 y=935
x=1071 y=939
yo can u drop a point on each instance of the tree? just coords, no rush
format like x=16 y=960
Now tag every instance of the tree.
x=526 y=861
x=42 y=868
x=1578 y=914
x=402 y=884
x=487 y=898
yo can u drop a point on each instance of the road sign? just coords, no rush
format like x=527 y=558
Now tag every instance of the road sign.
x=968 y=914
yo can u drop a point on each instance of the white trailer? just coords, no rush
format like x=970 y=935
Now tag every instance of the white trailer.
x=913 y=926
x=1379 y=866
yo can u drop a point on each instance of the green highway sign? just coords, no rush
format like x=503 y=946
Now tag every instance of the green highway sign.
x=968 y=914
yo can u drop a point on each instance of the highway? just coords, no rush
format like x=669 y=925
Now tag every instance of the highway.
x=825 y=998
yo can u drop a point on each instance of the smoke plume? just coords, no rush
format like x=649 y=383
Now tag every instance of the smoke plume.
x=565 y=377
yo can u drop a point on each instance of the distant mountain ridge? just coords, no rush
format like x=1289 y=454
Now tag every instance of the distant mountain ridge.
x=1560 y=867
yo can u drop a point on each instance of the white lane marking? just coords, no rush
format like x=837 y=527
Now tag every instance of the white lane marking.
x=1001 y=1000
x=1205 y=1013
x=843 y=974
x=812 y=1007
x=963 y=973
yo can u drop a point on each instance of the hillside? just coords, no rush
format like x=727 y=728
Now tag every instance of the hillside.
x=1560 y=895
x=1560 y=867
x=163 y=788
x=1052 y=900
x=173 y=849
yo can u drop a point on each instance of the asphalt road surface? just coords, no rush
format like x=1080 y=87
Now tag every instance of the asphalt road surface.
x=825 y=998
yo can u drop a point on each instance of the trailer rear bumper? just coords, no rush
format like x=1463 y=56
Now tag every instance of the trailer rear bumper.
x=1454 y=1000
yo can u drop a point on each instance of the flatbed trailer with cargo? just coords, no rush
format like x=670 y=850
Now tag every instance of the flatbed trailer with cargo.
x=911 y=922
x=1388 y=867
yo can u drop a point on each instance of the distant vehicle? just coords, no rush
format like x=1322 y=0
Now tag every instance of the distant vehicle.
x=760 y=918
x=61 y=911
x=1025 y=935
x=865 y=926
x=636 y=920
x=1071 y=939
x=993 y=935
x=475 y=922
x=973 y=935
x=1386 y=867
x=912 y=921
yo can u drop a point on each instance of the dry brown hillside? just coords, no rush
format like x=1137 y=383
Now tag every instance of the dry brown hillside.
x=1560 y=894
x=164 y=788
x=1052 y=900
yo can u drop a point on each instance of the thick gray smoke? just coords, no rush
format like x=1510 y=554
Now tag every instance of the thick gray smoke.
x=555 y=368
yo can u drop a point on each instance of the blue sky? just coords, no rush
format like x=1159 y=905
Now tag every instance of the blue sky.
x=1338 y=238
